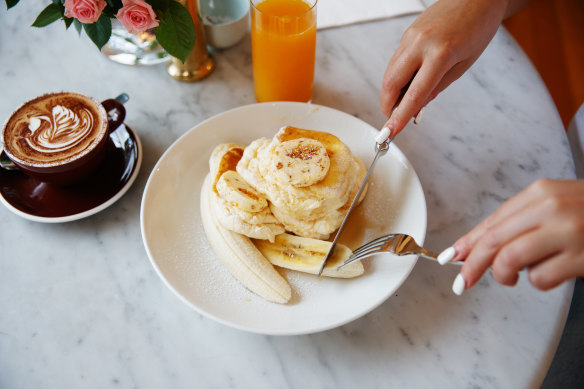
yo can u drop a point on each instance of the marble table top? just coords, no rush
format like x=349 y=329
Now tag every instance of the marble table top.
x=81 y=306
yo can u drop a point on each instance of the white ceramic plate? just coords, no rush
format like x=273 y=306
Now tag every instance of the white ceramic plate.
x=179 y=251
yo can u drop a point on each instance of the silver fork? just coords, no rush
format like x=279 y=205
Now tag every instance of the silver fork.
x=397 y=244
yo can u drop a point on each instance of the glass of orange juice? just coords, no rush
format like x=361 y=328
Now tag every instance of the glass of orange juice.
x=283 y=44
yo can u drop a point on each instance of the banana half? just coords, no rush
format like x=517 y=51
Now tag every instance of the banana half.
x=306 y=255
x=239 y=255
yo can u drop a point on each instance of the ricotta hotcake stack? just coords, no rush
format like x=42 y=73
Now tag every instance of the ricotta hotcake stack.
x=300 y=182
x=308 y=177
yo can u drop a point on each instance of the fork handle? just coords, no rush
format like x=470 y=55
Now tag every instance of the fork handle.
x=428 y=254
x=432 y=256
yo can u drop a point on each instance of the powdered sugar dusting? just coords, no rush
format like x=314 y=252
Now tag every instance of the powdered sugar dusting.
x=204 y=271
x=303 y=285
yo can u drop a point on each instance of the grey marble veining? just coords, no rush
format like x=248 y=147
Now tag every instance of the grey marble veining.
x=81 y=305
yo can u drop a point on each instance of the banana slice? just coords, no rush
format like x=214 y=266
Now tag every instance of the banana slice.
x=235 y=190
x=243 y=260
x=300 y=162
x=306 y=255
x=224 y=158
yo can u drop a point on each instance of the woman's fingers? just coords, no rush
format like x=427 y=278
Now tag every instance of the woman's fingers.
x=488 y=244
x=539 y=225
x=417 y=94
x=552 y=272
x=451 y=75
x=537 y=191
x=526 y=250
x=566 y=230
x=398 y=75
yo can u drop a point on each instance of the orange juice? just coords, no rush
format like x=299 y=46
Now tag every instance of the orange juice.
x=283 y=38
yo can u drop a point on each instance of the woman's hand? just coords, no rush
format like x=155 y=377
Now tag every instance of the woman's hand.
x=541 y=229
x=441 y=44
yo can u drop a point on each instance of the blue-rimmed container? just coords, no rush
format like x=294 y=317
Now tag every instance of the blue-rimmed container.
x=225 y=21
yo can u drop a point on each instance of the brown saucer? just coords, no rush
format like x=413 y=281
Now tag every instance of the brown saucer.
x=43 y=202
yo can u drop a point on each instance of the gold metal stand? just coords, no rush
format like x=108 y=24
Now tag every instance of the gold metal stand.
x=199 y=64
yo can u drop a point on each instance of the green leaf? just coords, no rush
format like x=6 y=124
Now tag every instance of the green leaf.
x=48 y=15
x=68 y=22
x=78 y=26
x=112 y=8
x=100 y=31
x=176 y=31
x=158 y=4
x=115 y=4
x=11 y=3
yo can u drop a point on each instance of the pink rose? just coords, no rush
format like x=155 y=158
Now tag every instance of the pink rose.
x=137 y=16
x=86 y=11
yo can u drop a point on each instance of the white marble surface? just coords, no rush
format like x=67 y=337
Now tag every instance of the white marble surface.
x=81 y=306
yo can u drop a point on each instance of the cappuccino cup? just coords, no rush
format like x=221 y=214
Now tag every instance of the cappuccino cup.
x=60 y=138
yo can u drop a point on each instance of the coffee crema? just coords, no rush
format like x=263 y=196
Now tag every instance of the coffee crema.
x=54 y=129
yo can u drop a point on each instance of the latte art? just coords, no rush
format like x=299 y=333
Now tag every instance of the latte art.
x=61 y=131
x=55 y=129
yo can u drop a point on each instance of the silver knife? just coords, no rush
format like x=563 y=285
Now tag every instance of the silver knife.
x=380 y=149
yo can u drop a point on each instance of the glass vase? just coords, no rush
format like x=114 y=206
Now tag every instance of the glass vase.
x=133 y=49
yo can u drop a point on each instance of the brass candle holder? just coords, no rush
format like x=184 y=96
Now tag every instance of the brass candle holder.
x=199 y=64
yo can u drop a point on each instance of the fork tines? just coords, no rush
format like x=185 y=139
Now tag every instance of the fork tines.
x=374 y=245
x=369 y=249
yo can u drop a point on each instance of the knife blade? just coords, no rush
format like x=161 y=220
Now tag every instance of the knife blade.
x=380 y=149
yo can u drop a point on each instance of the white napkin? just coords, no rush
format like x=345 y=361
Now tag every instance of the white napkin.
x=334 y=13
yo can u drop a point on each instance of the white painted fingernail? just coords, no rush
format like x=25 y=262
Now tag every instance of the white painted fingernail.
x=383 y=135
x=418 y=117
x=446 y=256
x=458 y=285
